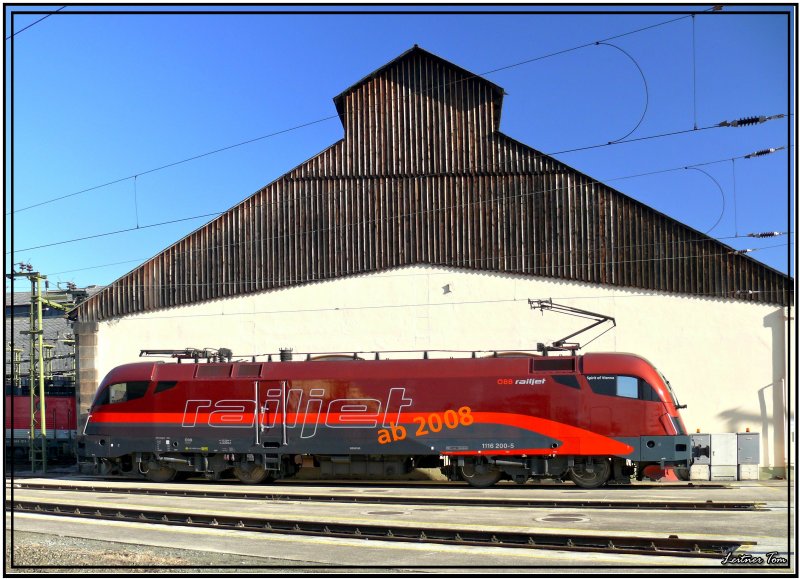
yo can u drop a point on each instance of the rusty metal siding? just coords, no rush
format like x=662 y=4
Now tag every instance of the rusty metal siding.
x=423 y=176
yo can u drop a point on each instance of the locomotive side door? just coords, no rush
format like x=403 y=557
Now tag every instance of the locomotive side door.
x=271 y=402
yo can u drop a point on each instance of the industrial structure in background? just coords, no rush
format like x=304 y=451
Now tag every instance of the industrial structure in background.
x=39 y=378
x=427 y=228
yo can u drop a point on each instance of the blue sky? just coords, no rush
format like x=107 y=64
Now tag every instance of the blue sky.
x=99 y=98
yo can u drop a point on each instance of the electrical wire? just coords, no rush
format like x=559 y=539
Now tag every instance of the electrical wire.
x=464 y=264
x=168 y=165
x=646 y=91
x=217 y=247
x=357 y=108
x=498 y=200
x=117 y=232
x=684 y=167
x=222 y=246
x=694 y=74
x=33 y=23
x=616 y=247
x=655 y=293
x=722 y=193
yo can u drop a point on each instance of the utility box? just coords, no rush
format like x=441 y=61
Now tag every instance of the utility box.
x=748 y=454
x=701 y=457
x=701 y=449
x=724 y=455
x=748 y=448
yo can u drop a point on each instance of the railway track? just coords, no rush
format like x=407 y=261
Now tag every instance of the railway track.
x=671 y=545
x=271 y=495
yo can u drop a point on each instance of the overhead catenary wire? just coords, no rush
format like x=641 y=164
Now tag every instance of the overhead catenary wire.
x=748 y=156
x=646 y=91
x=227 y=245
x=300 y=188
x=464 y=263
x=34 y=23
x=679 y=244
x=117 y=232
x=590 y=182
x=168 y=165
x=676 y=244
x=147 y=316
x=430 y=89
x=735 y=214
x=694 y=74
x=722 y=193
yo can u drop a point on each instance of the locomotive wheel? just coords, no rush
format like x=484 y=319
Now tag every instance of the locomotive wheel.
x=104 y=467
x=601 y=471
x=640 y=469
x=251 y=475
x=682 y=473
x=160 y=474
x=480 y=476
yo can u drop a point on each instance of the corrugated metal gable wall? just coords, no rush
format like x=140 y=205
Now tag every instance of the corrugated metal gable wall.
x=423 y=176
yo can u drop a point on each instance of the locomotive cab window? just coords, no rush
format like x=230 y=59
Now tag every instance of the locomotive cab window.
x=627 y=387
x=622 y=386
x=122 y=392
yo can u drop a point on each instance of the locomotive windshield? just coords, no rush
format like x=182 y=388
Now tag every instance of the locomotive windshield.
x=121 y=392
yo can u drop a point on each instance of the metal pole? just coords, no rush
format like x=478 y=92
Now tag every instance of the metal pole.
x=31 y=358
x=258 y=414
x=284 y=411
x=40 y=371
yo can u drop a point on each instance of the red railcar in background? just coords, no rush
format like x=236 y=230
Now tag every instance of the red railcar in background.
x=61 y=425
x=589 y=418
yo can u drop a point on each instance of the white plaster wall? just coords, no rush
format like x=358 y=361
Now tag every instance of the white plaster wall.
x=725 y=359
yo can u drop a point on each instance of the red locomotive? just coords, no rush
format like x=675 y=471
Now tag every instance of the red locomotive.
x=590 y=418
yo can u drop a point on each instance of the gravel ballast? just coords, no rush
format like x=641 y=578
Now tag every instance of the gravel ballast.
x=41 y=553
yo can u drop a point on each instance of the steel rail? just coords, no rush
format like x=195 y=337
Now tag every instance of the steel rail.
x=268 y=495
x=660 y=546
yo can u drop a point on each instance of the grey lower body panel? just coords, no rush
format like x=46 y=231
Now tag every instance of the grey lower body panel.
x=669 y=450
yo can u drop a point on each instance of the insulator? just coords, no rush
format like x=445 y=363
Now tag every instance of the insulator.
x=760 y=153
x=748 y=121
x=765 y=234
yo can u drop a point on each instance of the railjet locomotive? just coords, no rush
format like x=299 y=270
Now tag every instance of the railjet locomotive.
x=590 y=418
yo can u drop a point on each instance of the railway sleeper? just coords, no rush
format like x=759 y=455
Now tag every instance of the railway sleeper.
x=653 y=545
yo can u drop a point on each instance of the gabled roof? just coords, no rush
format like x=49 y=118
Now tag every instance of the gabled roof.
x=414 y=51
x=421 y=180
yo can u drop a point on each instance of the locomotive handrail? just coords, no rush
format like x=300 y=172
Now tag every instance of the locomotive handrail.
x=353 y=355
